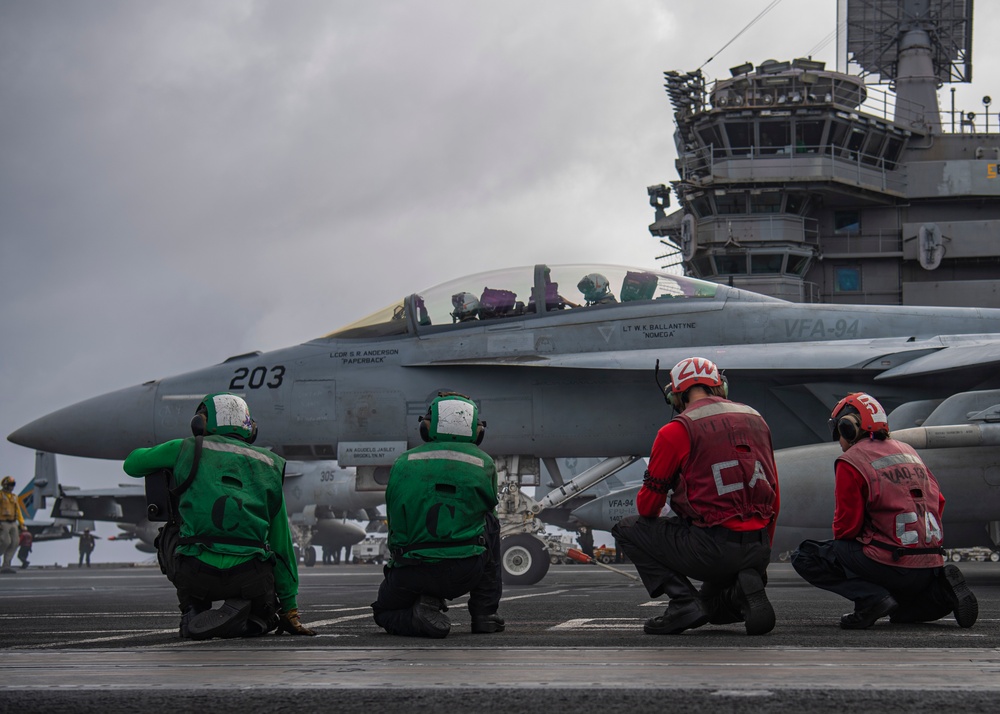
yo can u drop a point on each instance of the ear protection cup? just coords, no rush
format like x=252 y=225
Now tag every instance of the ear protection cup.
x=425 y=428
x=675 y=401
x=725 y=387
x=849 y=427
x=253 y=432
x=480 y=432
x=199 y=423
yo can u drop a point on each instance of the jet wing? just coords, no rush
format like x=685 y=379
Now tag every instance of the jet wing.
x=126 y=503
x=956 y=355
x=48 y=530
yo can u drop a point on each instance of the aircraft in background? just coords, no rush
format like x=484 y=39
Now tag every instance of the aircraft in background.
x=958 y=438
x=33 y=496
x=551 y=378
x=319 y=498
x=322 y=499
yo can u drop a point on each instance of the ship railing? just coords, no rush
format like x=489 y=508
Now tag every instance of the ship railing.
x=810 y=292
x=791 y=162
x=759 y=231
x=851 y=243
x=783 y=93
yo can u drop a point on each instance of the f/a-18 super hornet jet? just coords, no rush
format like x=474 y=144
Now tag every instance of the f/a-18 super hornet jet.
x=320 y=498
x=560 y=360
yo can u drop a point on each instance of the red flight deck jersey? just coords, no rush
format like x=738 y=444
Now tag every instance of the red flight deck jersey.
x=732 y=451
x=885 y=493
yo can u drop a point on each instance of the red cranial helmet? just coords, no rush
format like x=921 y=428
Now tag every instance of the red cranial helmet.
x=694 y=371
x=856 y=414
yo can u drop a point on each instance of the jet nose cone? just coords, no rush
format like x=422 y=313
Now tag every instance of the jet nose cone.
x=106 y=427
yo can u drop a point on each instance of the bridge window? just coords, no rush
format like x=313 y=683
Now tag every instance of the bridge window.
x=731 y=202
x=797 y=264
x=892 y=150
x=774 y=138
x=794 y=203
x=731 y=264
x=701 y=206
x=769 y=202
x=766 y=263
x=847 y=279
x=808 y=136
x=846 y=222
x=740 y=137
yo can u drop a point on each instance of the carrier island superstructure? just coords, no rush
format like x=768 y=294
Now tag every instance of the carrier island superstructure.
x=816 y=185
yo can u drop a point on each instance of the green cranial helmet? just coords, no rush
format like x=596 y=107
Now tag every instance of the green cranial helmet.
x=452 y=417
x=227 y=415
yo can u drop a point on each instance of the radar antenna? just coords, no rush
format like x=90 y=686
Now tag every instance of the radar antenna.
x=912 y=45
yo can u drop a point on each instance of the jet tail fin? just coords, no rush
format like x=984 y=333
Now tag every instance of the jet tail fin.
x=43 y=483
x=29 y=502
x=46 y=478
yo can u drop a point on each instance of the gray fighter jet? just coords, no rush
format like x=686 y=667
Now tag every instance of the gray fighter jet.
x=560 y=360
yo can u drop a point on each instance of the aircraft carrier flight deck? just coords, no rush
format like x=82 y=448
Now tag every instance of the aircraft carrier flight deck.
x=105 y=639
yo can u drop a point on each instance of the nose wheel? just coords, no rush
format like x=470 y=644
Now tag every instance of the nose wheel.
x=524 y=560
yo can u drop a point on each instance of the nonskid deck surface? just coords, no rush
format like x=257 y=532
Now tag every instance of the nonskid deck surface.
x=107 y=638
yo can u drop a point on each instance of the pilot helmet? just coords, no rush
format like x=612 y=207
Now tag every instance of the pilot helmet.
x=226 y=415
x=452 y=417
x=466 y=306
x=858 y=415
x=7 y=483
x=595 y=288
x=695 y=372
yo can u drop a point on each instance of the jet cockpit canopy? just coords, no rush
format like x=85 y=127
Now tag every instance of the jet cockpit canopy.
x=524 y=293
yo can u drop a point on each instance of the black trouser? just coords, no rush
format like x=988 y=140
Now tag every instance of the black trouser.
x=478 y=575
x=841 y=567
x=668 y=551
x=200 y=584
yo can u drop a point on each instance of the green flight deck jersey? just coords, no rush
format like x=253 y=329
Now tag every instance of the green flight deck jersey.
x=439 y=494
x=235 y=495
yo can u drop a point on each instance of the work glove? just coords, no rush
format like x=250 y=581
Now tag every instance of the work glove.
x=289 y=622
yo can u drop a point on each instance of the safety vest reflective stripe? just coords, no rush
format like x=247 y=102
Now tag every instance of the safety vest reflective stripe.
x=895 y=459
x=447 y=456
x=710 y=410
x=237 y=449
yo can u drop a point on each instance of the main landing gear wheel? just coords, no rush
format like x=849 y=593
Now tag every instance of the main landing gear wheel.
x=524 y=560
x=309 y=557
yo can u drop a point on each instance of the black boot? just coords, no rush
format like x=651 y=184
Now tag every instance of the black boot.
x=227 y=620
x=965 y=603
x=865 y=617
x=429 y=618
x=485 y=624
x=758 y=615
x=677 y=618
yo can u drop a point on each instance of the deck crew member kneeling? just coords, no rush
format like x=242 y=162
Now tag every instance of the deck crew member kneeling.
x=886 y=554
x=716 y=458
x=234 y=541
x=444 y=537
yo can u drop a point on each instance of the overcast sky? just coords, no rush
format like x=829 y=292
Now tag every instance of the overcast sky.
x=184 y=181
